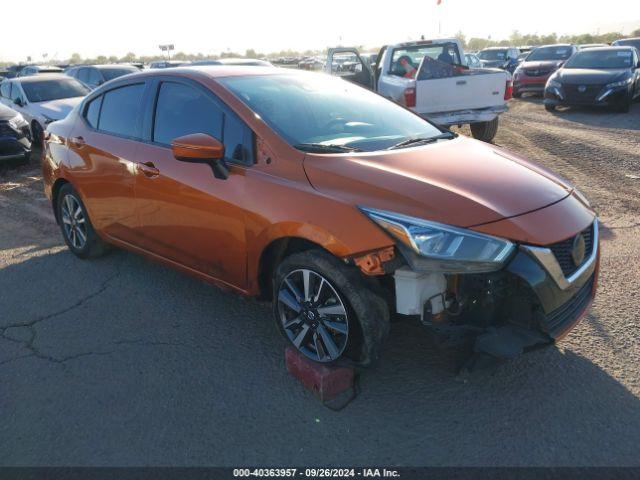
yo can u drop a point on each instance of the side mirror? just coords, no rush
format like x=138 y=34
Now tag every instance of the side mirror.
x=18 y=102
x=201 y=148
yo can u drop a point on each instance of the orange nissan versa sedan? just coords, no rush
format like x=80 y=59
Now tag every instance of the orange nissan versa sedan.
x=341 y=206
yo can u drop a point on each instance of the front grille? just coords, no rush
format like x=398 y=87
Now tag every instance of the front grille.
x=562 y=252
x=536 y=72
x=557 y=321
x=574 y=95
x=7 y=131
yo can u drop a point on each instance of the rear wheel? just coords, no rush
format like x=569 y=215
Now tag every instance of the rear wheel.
x=326 y=310
x=517 y=94
x=485 y=131
x=77 y=231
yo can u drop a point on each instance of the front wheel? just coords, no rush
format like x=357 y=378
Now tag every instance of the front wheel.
x=485 y=131
x=550 y=108
x=326 y=310
x=625 y=106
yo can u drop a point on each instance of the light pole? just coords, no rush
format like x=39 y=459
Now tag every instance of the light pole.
x=167 y=48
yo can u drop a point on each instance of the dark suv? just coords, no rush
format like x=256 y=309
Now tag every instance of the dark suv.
x=92 y=76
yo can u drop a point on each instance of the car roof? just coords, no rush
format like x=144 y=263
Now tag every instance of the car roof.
x=218 y=71
x=44 y=76
x=612 y=48
x=556 y=45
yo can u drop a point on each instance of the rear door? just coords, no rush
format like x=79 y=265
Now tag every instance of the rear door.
x=347 y=63
x=103 y=148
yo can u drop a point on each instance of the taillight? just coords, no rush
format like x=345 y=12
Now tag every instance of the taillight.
x=410 y=97
x=508 y=90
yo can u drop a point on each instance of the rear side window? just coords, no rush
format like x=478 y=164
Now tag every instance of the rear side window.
x=83 y=75
x=121 y=110
x=93 y=111
x=182 y=110
x=94 y=76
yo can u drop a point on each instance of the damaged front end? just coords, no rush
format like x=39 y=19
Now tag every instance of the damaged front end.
x=532 y=297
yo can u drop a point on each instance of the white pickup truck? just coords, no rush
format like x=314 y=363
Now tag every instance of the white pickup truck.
x=432 y=78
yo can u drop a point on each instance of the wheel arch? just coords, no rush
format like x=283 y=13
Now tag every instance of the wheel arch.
x=273 y=254
x=55 y=190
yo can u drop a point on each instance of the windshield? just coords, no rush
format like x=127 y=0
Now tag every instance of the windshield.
x=46 y=90
x=111 y=73
x=550 y=53
x=319 y=109
x=493 y=55
x=604 y=58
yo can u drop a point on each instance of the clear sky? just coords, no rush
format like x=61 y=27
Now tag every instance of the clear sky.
x=115 y=27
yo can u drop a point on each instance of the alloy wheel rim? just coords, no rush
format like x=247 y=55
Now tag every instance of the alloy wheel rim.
x=313 y=315
x=74 y=222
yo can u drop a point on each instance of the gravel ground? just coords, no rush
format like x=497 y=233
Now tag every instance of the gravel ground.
x=123 y=362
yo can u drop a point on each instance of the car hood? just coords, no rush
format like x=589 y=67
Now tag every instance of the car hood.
x=542 y=64
x=460 y=182
x=56 y=109
x=587 y=76
x=7 y=113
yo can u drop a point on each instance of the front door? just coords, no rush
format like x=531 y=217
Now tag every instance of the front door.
x=186 y=214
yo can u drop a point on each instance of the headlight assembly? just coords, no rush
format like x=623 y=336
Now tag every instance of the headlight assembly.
x=443 y=247
x=554 y=84
x=17 y=123
x=621 y=83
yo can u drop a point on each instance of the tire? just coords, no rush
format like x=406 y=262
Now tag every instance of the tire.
x=550 y=108
x=36 y=134
x=27 y=158
x=358 y=335
x=517 y=94
x=625 y=106
x=84 y=242
x=485 y=131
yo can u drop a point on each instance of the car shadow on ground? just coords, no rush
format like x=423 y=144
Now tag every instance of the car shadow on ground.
x=129 y=362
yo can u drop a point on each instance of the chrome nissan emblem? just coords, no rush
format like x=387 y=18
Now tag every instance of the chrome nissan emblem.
x=582 y=89
x=578 y=249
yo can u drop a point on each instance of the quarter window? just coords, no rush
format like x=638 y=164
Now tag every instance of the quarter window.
x=121 y=109
x=93 y=111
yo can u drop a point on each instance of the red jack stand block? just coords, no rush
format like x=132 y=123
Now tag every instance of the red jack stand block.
x=333 y=386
